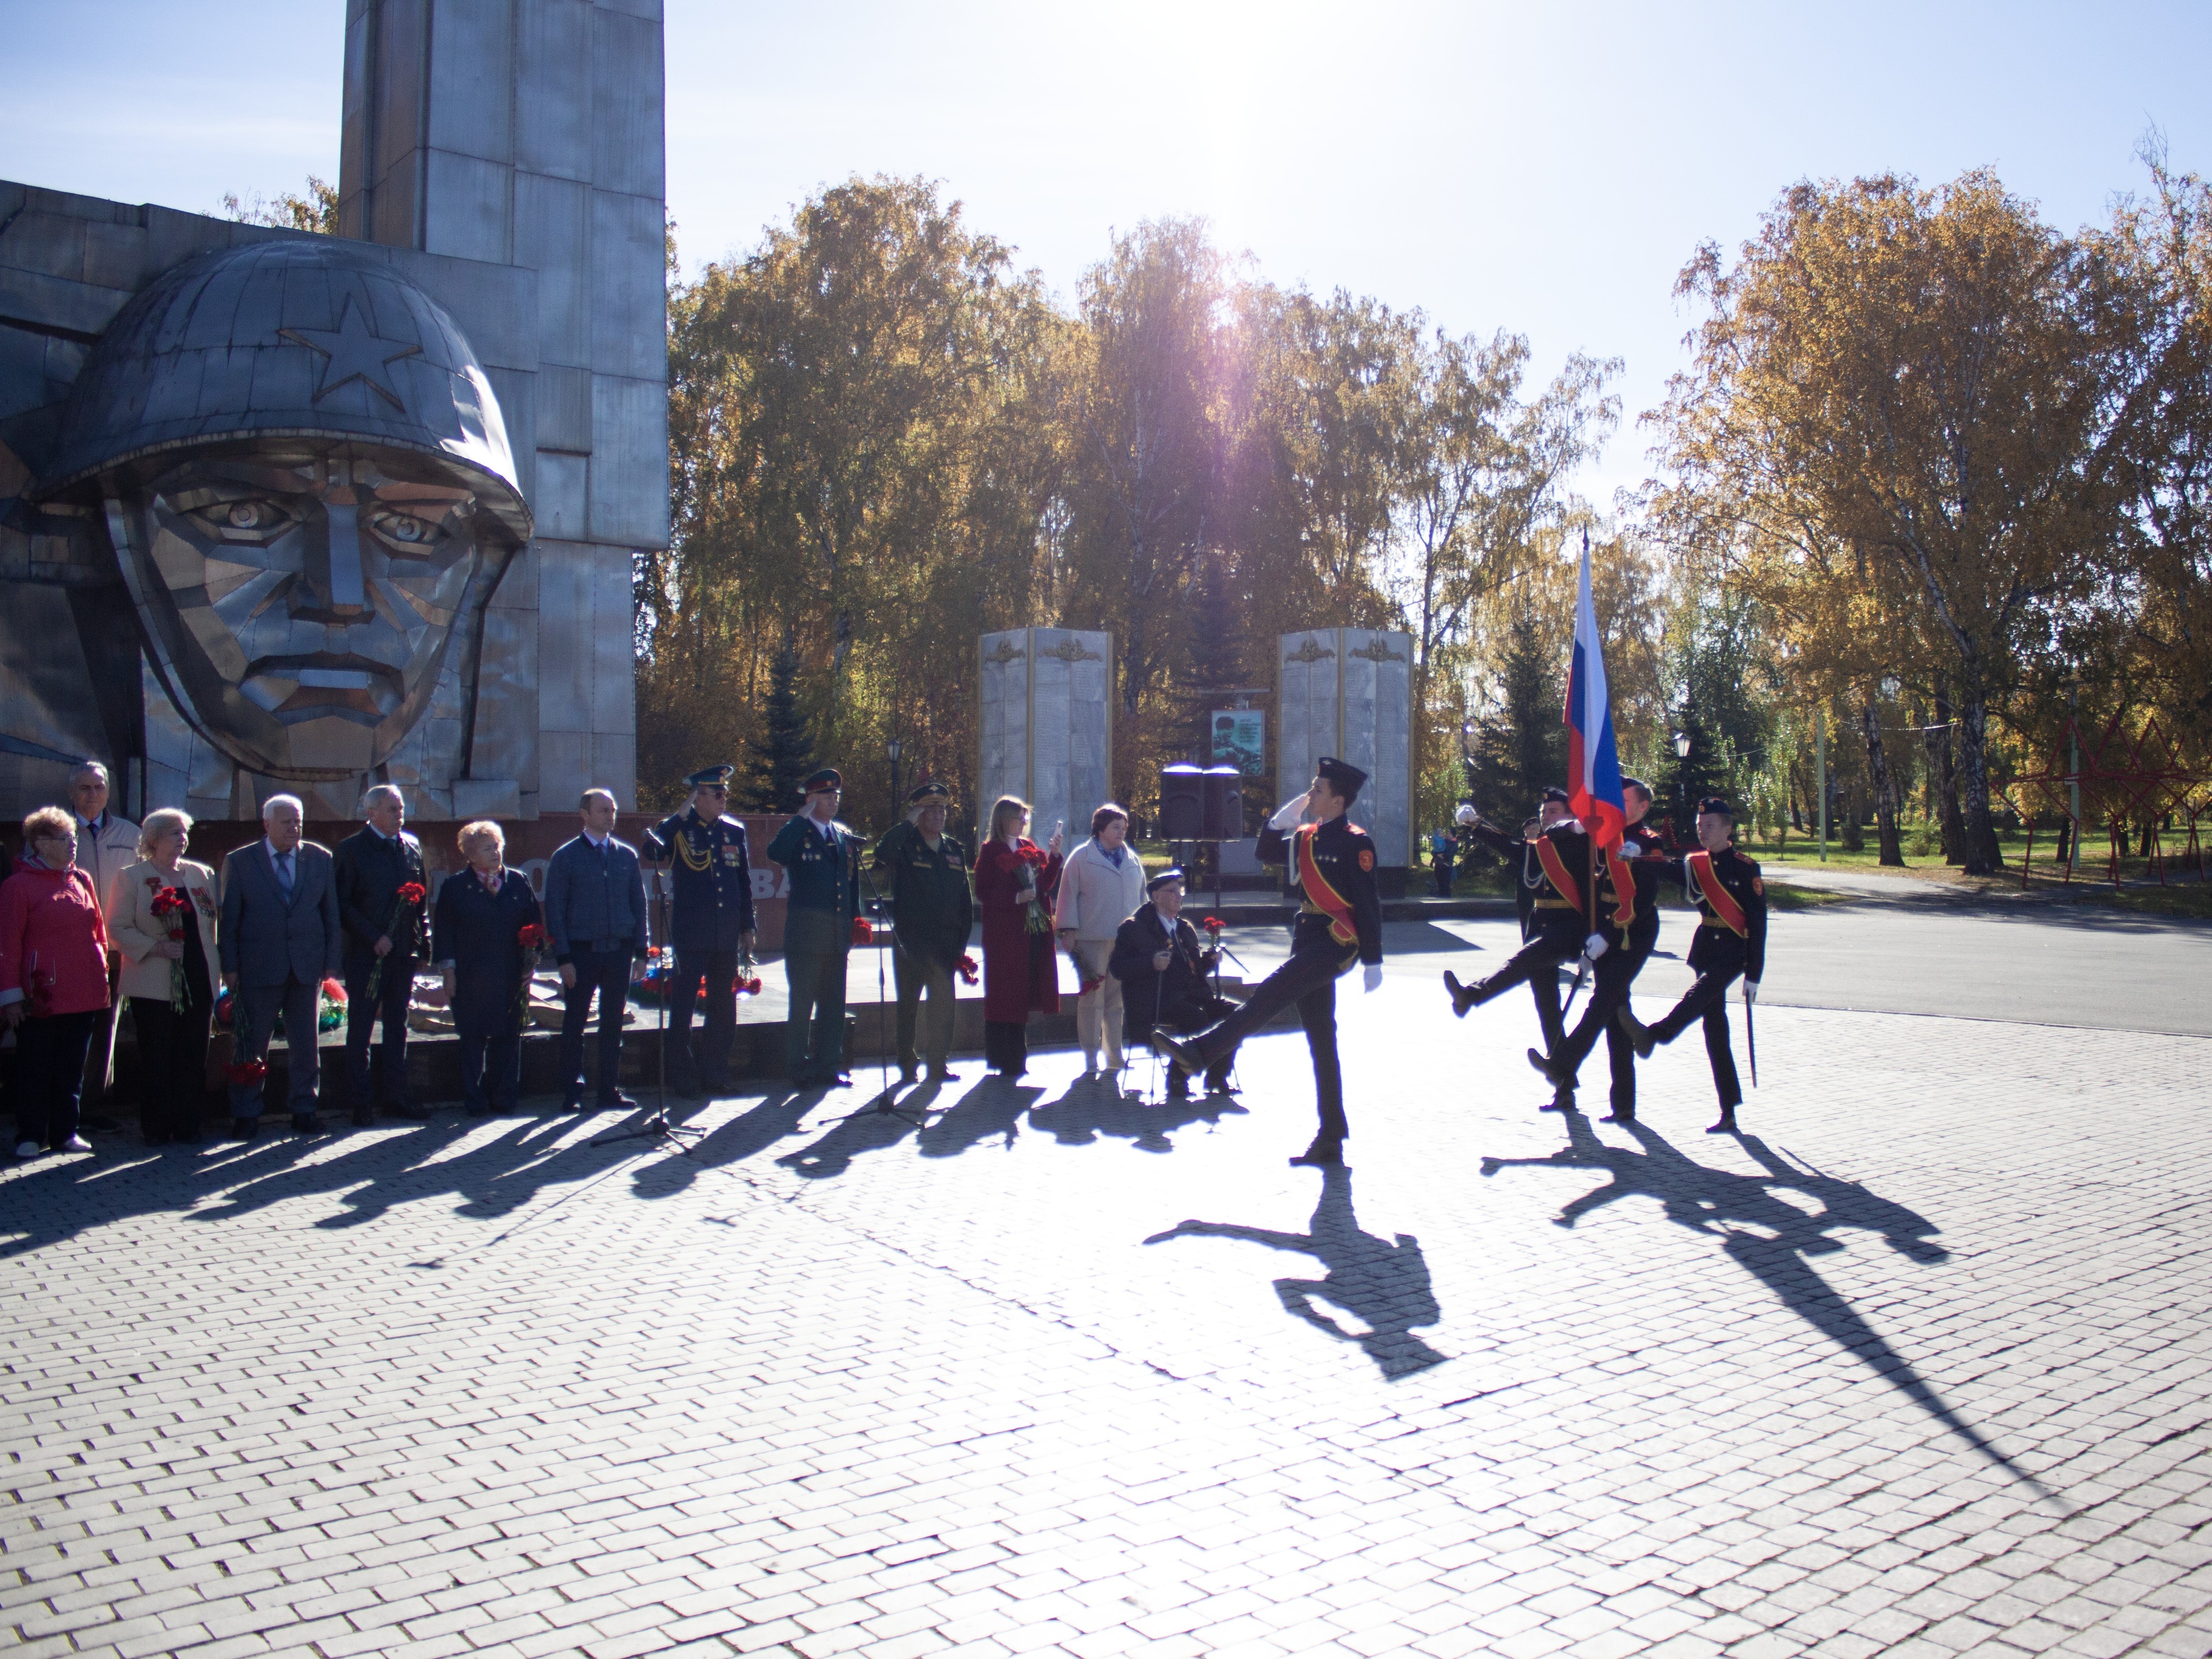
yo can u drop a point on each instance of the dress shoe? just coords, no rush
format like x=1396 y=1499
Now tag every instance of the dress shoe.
x=1217 y=1083
x=27 y=1149
x=1639 y=1034
x=617 y=1102
x=1180 y=1051
x=943 y=1074
x=838 y=1080
x=1462 y=996
x=74 y=1144
x=412 y=1114
x=304 y=1123
x=1617 y=1115
x=573 y=1104
x=363 y=1116
x=1323 y=1154
x=909 y=1075
x=1562 y=1100
x=244 y=1128
x=1726 y=1126
x=1549 y=1072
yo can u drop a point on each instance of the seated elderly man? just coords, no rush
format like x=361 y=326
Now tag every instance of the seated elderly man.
x=1163 y=975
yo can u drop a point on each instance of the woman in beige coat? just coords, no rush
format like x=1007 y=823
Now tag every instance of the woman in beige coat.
x=1100 y=888
x=171 y=982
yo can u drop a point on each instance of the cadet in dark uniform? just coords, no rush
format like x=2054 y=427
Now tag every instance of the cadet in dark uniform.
x=710 y=922
x=1644 y=849
x=924 y=873
x=823 y=859
x=1340 y=921
x=1731 y=939
x=1556 y=868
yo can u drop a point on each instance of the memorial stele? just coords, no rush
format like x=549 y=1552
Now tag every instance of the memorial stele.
x=1046 y=726
x=1349 y=692
x=289 y=512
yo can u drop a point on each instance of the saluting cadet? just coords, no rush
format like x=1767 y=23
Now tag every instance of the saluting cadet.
x=1644 y=850
x=710 y=923
x=1340 y=921
x=1564 y=923
x=933 y=911
x=1731 y=939
x=823 y=859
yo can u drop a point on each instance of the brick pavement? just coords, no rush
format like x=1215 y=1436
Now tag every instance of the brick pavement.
x=1918 y=1367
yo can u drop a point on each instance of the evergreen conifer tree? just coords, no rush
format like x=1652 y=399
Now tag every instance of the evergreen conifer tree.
x=1520 y=746
x=783 y=755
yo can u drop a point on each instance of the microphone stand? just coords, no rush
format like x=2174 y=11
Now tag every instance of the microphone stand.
x=885 y=1104
x=657 y=1129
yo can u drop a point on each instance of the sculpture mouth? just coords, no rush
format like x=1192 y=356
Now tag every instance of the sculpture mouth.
x=320 y=684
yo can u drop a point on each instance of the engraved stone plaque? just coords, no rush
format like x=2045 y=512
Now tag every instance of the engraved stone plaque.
x=1046 y=726
x=1349 y=692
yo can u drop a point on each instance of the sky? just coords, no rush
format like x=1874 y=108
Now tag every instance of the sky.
x=1546 y=170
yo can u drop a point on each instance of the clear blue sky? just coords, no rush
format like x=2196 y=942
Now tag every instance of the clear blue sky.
x=1541 y=168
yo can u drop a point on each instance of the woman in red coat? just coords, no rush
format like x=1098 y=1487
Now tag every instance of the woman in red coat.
x=53 y=980
x=1015 y=881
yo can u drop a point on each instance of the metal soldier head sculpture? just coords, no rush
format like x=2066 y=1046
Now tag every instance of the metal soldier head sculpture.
x=307 y=484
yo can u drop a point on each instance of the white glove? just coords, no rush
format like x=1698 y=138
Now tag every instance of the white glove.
x=1594 y=946
x=1465 y=816
x=1371 y=977
x=1750 y=991
x=1289 y=813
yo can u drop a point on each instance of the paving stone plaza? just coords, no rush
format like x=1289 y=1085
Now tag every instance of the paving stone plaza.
x=1920 y=1365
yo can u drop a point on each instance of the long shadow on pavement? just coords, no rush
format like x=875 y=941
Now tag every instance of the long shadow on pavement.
x=1723 y=1203
x=1096 y=1107
x=1384 y=1284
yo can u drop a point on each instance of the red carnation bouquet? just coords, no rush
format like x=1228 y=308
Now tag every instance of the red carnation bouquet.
x=968 y=969
x=173 y=905
x=1214 y=925
x=410 y=895
x=532 y=938
x=244 y=1073
x=863 y=933
x=1033 y=862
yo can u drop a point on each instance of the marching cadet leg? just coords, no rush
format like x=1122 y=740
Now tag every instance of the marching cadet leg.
x=1730 y=943
x=1340 y=922
x=711 y=920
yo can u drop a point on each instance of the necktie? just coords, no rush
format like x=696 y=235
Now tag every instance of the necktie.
x=284 y=874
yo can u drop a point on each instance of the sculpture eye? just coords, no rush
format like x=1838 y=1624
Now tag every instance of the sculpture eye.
x=405 y=532
x=251 y=519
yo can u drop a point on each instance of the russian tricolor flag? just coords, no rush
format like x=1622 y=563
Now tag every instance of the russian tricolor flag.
x=1593 y=766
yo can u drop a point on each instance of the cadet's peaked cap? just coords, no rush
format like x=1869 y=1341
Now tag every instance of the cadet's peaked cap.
x=1559 y=795
x=1340 y=775
x=1153 y=883
x=828 y=778
x=923 y=793
x=1717 y=803
x=707 y=777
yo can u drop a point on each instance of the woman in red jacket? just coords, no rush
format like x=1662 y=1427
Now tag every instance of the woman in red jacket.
x=1015 y=881
x=53 y=980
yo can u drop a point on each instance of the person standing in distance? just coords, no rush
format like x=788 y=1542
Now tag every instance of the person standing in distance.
x=104 y=845
x=823 y=859
x=710 y=922
x=280 y=936
x=1101 y=886
x=933 y=911
x=372 y=864
x=1730 y=940
x=1340 y=921
x=595 y=917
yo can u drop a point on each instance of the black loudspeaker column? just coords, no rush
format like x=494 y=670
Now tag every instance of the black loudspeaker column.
x=1183 y=804
x=1223 y=817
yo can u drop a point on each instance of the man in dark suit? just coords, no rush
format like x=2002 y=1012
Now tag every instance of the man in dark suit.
x=1162 y=974
x=709 y=923
x=822 y=858
x=279 y=939
x=383 y=943
x=595 y=914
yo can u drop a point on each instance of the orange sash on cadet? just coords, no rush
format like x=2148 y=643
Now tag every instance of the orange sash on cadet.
x=1555 y=871
x=1324 y=896
x=1717 y=898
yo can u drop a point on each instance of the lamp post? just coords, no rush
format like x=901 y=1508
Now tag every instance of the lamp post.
x=1681 y=755
x=892 y=754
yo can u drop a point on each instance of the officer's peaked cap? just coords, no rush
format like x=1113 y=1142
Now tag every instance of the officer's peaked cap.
x=1717 y=803
x=922 y=793
x=707 y=777
x=828 y=778
x=1154 y=884
x=1559 y=795
x=1340 y=775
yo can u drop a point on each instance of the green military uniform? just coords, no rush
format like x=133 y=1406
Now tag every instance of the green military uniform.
x=933 y=911
x=823 y=862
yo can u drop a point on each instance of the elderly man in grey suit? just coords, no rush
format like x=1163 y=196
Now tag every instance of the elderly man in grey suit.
x=280 y=938
x=595 y=914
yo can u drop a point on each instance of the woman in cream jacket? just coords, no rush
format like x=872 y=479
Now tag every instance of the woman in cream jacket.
x=1100 y=888
x=171 y=982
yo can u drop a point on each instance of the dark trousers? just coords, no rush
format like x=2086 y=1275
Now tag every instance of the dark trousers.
x=607 y=973
x=50 y=1056
x=814 y=1039
x=1707 y=1000
x=1538 y=963
x=172 y=1047
x=709 y=1058
x=1307 y=979
x=1443 y=868
x=917 y=976
x=257 y=1008
x=393 y=994
x=491 y=1066
x=1616 y=973
x=1006 y=1046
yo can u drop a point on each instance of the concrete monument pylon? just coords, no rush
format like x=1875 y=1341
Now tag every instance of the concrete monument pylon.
x=1349 y=692
x=1046 y=726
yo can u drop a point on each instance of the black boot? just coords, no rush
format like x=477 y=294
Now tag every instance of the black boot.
x=1464 y=996
x=1183 y=1053
x=1640 y=1036
x=1726 y=1126
x=1325 y=1153
x=1550 y=1072
x=1619 y=1114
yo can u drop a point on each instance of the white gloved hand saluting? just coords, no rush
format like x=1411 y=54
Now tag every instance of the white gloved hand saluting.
x=1371 y=977
x=1466 y=815
x=1594 y=946
x=1290 y=811
x=1751 y=990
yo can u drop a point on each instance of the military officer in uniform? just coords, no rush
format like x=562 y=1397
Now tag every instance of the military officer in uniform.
x=1731 y=939
x=823 y=859
x=1644 y=850
x=1340 y=921
x=1556 y=868
x=924 y=873
x=710 y=924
